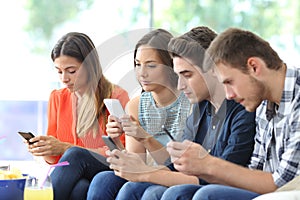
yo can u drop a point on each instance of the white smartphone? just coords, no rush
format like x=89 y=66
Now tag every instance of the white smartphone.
x=114 y=107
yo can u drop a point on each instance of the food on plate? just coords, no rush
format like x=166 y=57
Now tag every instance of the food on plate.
x=14 y=173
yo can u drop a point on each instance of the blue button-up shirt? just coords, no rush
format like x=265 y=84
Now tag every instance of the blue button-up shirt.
x=227 y=134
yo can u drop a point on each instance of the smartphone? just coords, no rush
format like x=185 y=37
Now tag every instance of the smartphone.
x=114 y=107
x=27 y=136
x=168 y=133
x=109 y=142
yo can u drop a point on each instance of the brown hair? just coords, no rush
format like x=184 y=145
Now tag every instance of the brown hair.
x=235 y=46
x=80 y=46
x=192 y=45
x=158 y=39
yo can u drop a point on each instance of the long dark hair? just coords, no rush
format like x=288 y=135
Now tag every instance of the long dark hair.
x=80 y=46
x=158 y=39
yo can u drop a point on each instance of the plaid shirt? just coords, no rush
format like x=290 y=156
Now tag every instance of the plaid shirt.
x=284 y=163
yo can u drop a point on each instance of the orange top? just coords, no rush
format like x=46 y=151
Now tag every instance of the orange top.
x=62 y=123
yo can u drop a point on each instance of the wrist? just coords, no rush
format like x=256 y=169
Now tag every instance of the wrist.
x=66 y=147
x=147 y=176
x=211 y=168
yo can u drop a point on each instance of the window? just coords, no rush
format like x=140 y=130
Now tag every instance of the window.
x=27 y=75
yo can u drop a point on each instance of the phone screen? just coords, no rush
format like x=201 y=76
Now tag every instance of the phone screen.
x=27 y=136
x=109 y=142
x=114 y=107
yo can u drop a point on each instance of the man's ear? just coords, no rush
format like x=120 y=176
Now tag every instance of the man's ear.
x=254 y=65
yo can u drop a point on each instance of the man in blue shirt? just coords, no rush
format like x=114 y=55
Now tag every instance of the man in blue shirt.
x=223 y=126
x=248 y=67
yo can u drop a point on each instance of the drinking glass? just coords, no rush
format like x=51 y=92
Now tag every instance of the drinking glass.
x=38 y=188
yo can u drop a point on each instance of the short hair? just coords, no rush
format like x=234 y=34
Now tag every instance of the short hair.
x=192 y=45
x=235 y=46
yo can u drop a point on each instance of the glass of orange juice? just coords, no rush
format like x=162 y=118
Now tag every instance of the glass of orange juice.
x=38 y=188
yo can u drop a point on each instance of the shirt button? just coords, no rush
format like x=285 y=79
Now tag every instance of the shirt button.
x=214 y=127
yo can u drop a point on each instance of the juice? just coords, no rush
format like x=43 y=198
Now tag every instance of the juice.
x=36 y=193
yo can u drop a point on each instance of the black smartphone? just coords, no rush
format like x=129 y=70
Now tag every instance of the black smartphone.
x=168 y=133
x=109 y=142
x=27 y=136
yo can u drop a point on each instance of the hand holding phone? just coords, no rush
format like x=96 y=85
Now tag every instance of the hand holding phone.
x=27 y=136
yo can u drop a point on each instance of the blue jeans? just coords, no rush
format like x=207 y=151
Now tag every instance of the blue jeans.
x=180 y=192
x=207 y=192
x=105 y=185
x=140 y=191
x=72 y=181
x=222 y=192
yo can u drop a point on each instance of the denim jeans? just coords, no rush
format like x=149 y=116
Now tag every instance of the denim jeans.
x=72 y=181
x=140 y=191
x=207 y=192
x=154 y=192
x=105 y=185
x=222 y=192
x=180 y=192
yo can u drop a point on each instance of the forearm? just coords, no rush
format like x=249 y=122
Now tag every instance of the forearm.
x=226 y=173
x=156 y=149
x=168 y=178
x=53 y=153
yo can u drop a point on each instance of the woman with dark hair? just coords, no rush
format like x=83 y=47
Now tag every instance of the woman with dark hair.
x=159 y=105
x=161 y=108
x=77 y=116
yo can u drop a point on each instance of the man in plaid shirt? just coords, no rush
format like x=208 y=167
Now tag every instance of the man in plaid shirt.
x=255 y=76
